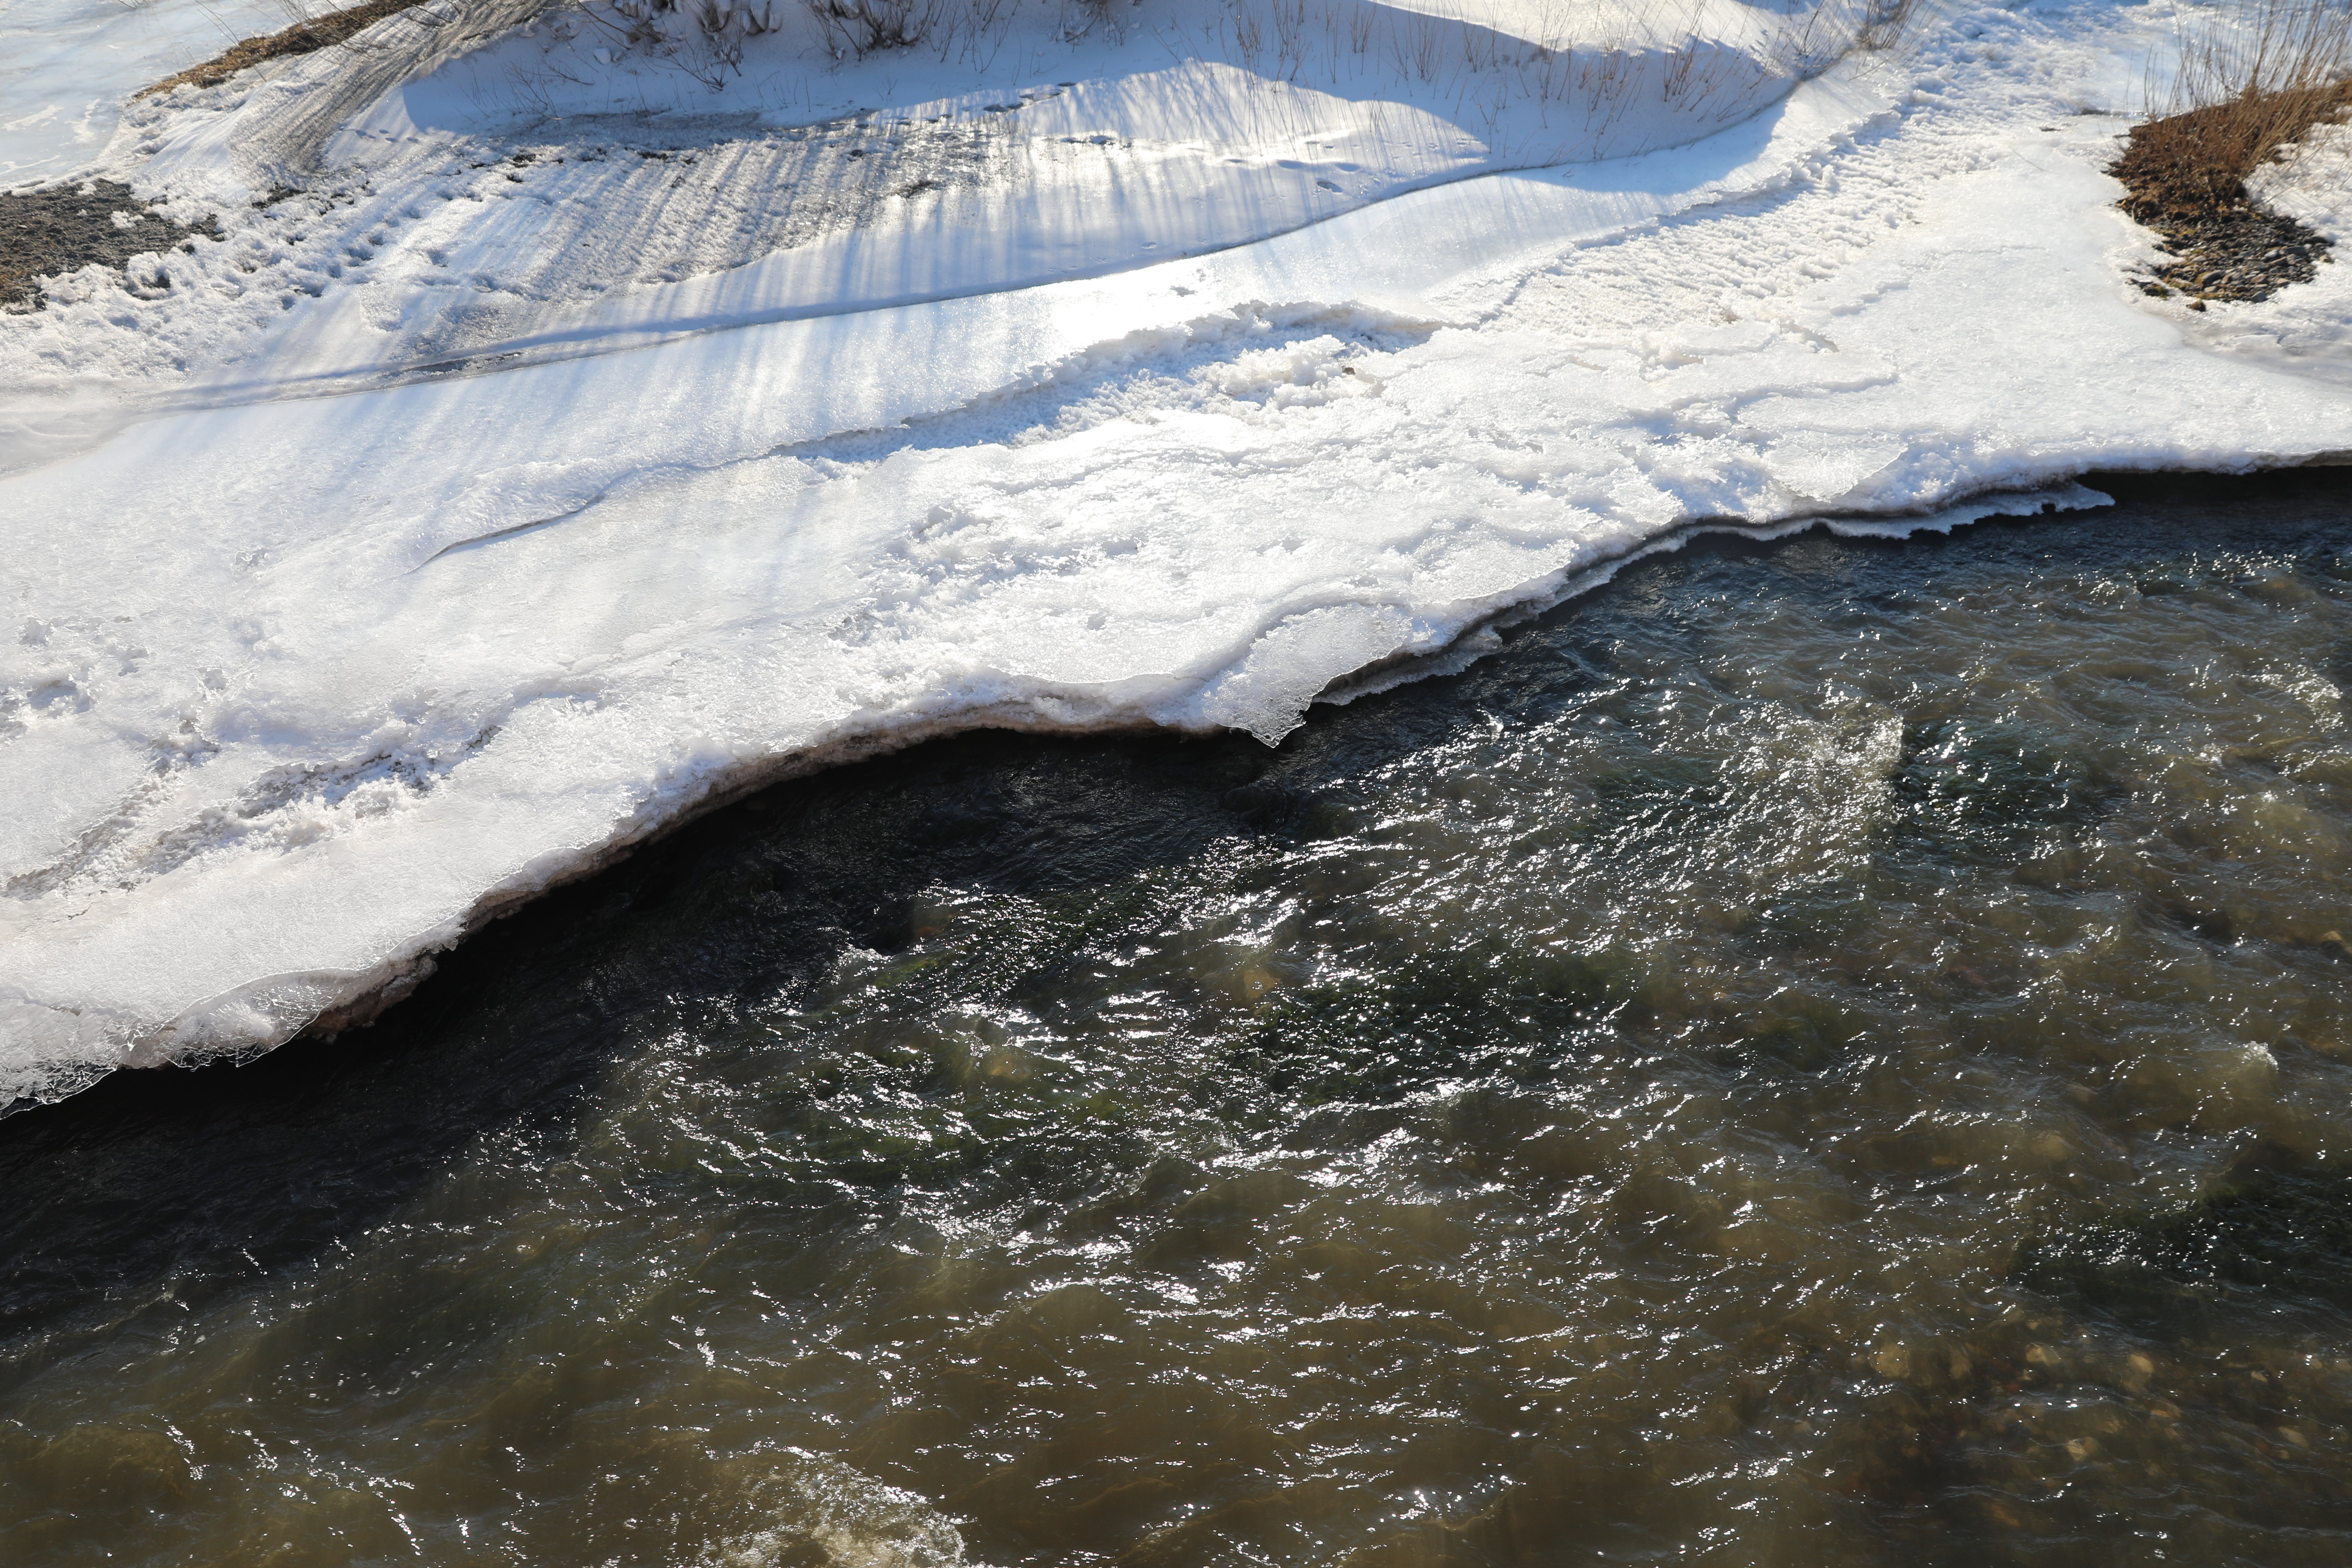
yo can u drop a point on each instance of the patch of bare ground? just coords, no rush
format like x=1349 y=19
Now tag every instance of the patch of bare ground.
x=301 y=38
x=49 y=233
x=2185 y=177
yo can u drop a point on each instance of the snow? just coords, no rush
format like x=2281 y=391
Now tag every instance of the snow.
x=632 y=511
x=804 y=187
x=67 y=66
x=2309 y=328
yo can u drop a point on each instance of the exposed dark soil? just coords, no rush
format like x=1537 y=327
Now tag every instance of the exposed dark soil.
x=46 y=233
x=2185 y=176
x=299 y=39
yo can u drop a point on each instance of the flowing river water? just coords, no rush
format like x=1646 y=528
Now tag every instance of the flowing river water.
x=1820 y=1053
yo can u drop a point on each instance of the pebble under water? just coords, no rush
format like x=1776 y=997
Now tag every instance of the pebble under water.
x=1823 y=1053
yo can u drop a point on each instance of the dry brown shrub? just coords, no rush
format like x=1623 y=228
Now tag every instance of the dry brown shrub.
x=2198 y=160
x=2252 y=80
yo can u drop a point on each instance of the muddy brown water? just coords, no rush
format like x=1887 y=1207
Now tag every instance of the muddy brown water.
x=1828 y=1053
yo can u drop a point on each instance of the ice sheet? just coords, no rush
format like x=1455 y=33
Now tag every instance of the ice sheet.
x=302 y=689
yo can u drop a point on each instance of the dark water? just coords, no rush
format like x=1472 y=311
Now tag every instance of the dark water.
x=1819 y=1054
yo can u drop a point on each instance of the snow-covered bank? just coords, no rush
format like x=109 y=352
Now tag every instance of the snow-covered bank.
x=299 y=688
x=478 y=183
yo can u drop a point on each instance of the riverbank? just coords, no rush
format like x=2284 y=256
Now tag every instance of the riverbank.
x=1837 y=1041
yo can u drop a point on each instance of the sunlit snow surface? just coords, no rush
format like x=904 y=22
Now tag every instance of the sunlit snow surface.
x=299 y=688
x=66 y=67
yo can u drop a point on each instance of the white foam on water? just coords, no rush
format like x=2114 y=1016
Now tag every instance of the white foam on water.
x=848 y=1518
x=298 y=692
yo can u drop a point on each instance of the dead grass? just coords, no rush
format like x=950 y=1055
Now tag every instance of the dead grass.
x=318 y=33
x=2252 y=80
x=2198 y=161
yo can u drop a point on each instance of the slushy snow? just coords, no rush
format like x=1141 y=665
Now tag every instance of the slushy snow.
x=568 y=455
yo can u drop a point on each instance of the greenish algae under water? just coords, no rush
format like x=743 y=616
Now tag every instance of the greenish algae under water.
x=1834 y=1053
